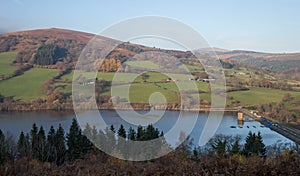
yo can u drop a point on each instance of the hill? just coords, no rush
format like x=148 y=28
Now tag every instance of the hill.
x=26 y=43
x=37 y=72
x=285 y=65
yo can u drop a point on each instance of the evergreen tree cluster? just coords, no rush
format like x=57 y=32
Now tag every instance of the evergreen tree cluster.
x=125 y=143
x=53 y=147
x=37 y=145
x=57 y=147
x=254 y=145
x=231 y=145
x=48 y=54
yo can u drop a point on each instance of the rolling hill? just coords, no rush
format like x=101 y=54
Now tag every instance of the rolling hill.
x=25 y=55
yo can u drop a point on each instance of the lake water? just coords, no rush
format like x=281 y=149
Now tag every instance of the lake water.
x=15 y=122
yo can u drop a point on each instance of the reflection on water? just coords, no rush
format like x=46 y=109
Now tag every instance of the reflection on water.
x=240 y=123
x=15 y=122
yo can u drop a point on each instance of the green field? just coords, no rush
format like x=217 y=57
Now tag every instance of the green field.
x=6 y=59
x=260 y=95
x=28 y=86
x=192 y=68
x=119 y=77
x=140 y=93
x=143 y=64
x=144 y=85
x=185 y=86
x=125 y=77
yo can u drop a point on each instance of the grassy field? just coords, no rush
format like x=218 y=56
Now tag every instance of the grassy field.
x=27 y=86
x=140 y=93
x=143 y=64
x=6 y=59
x=144 y=86
x=126 y=77
x=203 y=96
x=192 y=68
x=119 y=77
x=260 y=95
x=186 y=85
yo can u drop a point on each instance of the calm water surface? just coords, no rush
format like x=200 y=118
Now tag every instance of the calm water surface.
x=15 y=122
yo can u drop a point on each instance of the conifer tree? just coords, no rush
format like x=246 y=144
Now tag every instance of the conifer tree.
x=260 y=148
x=254 y=145
x=60 y=145
x=122 y=140
x=122 y=132
x=77 y=143
x=220 y=146
x=140 y=135
x=50 y=147
x=3 y=148
x=73 y=141
x=24 y=145
x=34 y=141
x=235 y=147
x=42 y=153
x=112 y=128
x=131 y=134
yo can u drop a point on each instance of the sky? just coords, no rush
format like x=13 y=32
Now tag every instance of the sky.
x=258 y=25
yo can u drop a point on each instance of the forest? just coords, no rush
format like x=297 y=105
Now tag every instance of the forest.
x=58 y=153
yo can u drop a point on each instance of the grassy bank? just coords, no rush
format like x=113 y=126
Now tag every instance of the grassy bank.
x=27 y=86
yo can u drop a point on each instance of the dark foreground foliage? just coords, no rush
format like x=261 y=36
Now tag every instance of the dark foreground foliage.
x=175 y=163
x=55 y=153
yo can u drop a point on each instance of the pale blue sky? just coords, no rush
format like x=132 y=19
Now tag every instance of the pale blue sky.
x=260 y=25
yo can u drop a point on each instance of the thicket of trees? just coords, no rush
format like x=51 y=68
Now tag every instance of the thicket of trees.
x=53 y=147
x=229 y=145
x=254 y=145
x=60 y=148
x=48 y=54
x=110 y=65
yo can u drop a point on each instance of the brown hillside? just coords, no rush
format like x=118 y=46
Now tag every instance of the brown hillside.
x=28 y=42
x=54 y=33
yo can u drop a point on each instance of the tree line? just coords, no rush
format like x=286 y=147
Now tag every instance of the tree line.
x=229 y=145
x=60 y=148
x=57 y=153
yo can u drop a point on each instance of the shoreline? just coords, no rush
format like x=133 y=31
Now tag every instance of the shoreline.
x=203 y=109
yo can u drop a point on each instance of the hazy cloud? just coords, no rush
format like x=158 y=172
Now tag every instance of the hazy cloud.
x=8 y=29
x=7 y=25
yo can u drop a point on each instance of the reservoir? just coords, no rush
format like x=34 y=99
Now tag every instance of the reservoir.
x=15 y=122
